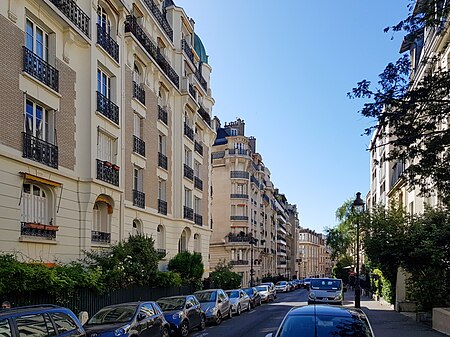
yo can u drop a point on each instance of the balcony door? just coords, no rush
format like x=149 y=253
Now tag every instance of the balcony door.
x=36 y=40
x=38 y=121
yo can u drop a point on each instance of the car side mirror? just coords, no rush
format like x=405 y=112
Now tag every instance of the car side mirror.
x=140 y=316
x=188 y=305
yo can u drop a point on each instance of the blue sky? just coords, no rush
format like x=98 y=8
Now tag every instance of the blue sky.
x=285 y=68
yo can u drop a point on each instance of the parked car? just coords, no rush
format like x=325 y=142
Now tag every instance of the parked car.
x=215 y=303
x=326 y=290
x=271 y=288
x=292 y=285
x=128 y=319
x=282 y=286
x=324 y=321
x=265 y=293
x=306 y=283
x=239 y=301
x=255 y=297
x=40 y=320
x=183 y=313
x=301 y=284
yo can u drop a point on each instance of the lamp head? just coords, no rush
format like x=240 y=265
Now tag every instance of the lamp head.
x=358 y=204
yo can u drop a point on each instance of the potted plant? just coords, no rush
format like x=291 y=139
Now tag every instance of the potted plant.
x=51 y=228
x=34 y=225
x=116 y=167
x=107 y=163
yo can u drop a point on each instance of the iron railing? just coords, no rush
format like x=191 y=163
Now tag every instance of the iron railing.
x=188 y=213
x=161 y=252
x=75 y=14
x=239 y=217
x=102 y=237
x=162 y=160
x=239 y=152
x=188 y=131
x=40 y=69
x=188 y=172
x=167 y=68
x=238 y=238
x=198 y=147
x=138 y=198
x=139 y=92
x=162 y=207
x=205 y=115
x=188 y=50
x=138 y=146
x=107 y=173
x=239 y=262
x=107 y=42
x=39 y=150
x=198 y=219
x=107 y=108
x=218 y=155
x=239 y=196
x=192 y=91
x=160 y=18
x=199 y=76
x=239 y=174
x=162 y=115
x=198 y=183
x=41 y=231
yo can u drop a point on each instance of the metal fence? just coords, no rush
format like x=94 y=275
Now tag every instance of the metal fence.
x=92 y=301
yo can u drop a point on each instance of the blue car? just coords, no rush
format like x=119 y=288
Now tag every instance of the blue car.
x=183 y=313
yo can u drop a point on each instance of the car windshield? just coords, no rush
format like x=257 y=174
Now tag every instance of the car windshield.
x=326 y=326
x=281 y=283
x=325 y=284
x=233 y=294
x=262 y=288
x=207 y=296
x=249 y=291
x=108 y=315
x=174 y=303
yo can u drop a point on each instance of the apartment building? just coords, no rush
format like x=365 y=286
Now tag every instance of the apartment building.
x=292 y=240
x=314 y=254
x=108 y=130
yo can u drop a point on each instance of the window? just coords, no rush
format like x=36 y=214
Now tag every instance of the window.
x=187 y=197
x=160 y=239
x=182 y=242
x=137 y=227
x=103 y=19
x=197 y=205
x=34 y=325
x=162 y=189
x=137 y=179
x=103 y=83
x=36 y=40
x=148 y=310
x=106 y=147
x=138 y=125
x=102 y=216
x=39 y=121
x=162 y=144
x=34 y=205
x=241 y=189
x=5 y=329
x=188 y=157
x=137 y=74
x=197 y=244
x=196 y=168
x=233 y=132
x=63 y=322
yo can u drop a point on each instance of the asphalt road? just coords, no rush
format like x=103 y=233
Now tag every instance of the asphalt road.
x=258 y=322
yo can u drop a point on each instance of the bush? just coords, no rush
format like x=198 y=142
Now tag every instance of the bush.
x=190 y=267
x=223 y=277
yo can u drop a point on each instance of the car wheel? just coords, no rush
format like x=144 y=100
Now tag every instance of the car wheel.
x=218 y=318
x=238 y=310
x=202 y=325
x=250 y=306
x=184 y=329
x=230 y=313
x=165 y=332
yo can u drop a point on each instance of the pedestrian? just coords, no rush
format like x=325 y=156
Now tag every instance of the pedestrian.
x=6 y=305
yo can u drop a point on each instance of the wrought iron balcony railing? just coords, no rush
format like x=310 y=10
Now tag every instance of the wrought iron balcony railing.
x=40 y=69
x=239 y=152
x=107 y=42
x=75 y=14
x=199 y=76
x=205 y=115
x=198 y=219
x=238 y=238
x=239 y=174
x=198 y=183
x=218 y=155
x=192 y=91
x=161 y=252
x=107 y=108
x=198 y=147
x=239 y=262
x=239 y=196
x=239 y=217
x=168 y=70
x=188 y=213
x=188 y=50
x=188 y=172
x=162 y=115
x=188 y=131
x=162 y=160
x=160 y=18
x=107 y=172
x=138 y=146
x=41 y=231
x=162 y=207
x=39 y=150
x=102 y=237
x=139 y=92
x=138 y=198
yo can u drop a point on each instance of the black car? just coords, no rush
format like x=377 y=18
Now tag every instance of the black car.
x=128 y=319
x=324 y=321
x=255 y=297
x=40 y=320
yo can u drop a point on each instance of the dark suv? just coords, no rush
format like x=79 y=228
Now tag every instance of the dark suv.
x=40 y=320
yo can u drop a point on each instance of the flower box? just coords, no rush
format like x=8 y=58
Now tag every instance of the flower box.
x=51 y=228
x=116 y=167
x=34 y=226
x=107 y=163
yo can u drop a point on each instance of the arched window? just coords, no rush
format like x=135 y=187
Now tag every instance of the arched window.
x=35 y=205
x=160 y=239
x=101 y=222
x=137 y=227
x=197 y=243
x=182 y=242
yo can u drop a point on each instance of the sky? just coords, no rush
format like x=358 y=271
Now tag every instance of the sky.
x=285 y=68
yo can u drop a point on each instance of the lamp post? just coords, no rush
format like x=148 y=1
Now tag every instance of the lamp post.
x=358 y=207
x=252 y=242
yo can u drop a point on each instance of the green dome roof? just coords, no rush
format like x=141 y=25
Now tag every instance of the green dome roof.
x=200 y=49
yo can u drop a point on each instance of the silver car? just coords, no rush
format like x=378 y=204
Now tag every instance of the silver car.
x=239 y=301
x=215 y=303
x=266 y=295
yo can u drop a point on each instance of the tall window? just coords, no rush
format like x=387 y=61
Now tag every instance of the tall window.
x=160 y=238
x=102 y=217
x=197 y=243
x=106 y=147
x=34 y=205
x=162 y=144
x=36 y=40
x=197 y=206
x=103 y=19
x=137 y=179
x=137 y=126
x=187 y=197
x=162 y=190
x=137 y=74
x=38 y=121
x=188 y=157
x=103 y=83
x=197 y=169
x=137 y=227
x=182 y=242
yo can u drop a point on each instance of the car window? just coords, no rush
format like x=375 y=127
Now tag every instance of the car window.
x=206 y=296
x=63 y=322
x=168 y=303
x=119 y=314
x=5 y=329
x=157 y=308
x=148 y=310
x=233 y=294
x=262 y=288
x=319 y=284
x=32 y=325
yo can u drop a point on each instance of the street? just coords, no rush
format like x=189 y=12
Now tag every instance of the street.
x=259 y=322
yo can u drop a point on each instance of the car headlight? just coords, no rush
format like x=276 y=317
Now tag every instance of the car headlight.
x=338 y=297
x=212 y=310
x=121 y=331
x=311 y=295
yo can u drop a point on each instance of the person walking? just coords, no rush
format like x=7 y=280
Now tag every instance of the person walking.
x=6 y=305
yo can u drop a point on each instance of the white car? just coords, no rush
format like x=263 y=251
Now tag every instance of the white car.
x=265 y=293
x=282 y=286
x=239 y=301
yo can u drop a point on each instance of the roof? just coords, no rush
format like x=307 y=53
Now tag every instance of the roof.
x=327 y=310
x=200 y=49
x=221 y=137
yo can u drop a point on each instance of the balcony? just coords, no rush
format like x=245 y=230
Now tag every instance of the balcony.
x=256 y=166
x=161 y=252
x=188 y=213
x=107 y=43
x=74 y=13
x=188 y=50
x=238 y=238
x=188 y=172
x=100 y=237
x=217 y=155
x=167 y=69
x=40 y=69
x=205 y=115
x=39 y=150
x=138 y=92
x=138 y=199
x=162 y=115
x=198 y=147
x=38 y=230
x=107 y=172
x=162 y=161
x=198 y=183
x=192 y=92
x=254 y=181
x=201 y=80
x=239 y=174
x=162 y=207
x=138 y=146
x=239 y=196
x=107 y=108
x=281 y=228
x=198 y=219
x=266 y=198
x=160 y=18
x=188 y=131
x=239 y=152
x=397 y=173
x=239 y=262
x=239 y=218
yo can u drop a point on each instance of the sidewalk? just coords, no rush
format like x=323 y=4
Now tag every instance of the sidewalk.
x=386 y=322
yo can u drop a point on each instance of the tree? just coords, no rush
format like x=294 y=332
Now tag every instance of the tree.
x=189 y=266
x=409 y=115
x=223 y=277
x=342 y=267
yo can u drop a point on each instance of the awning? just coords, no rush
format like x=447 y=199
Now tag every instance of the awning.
x=31 y=177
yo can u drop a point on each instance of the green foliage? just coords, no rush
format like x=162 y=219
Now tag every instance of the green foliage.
x=381 y=286
x=168 y=279
x=189 y=266
x=223 y=277
x=341 y=269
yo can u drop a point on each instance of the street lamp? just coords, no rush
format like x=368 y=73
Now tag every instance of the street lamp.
x=252 y=242
x=358 y=207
